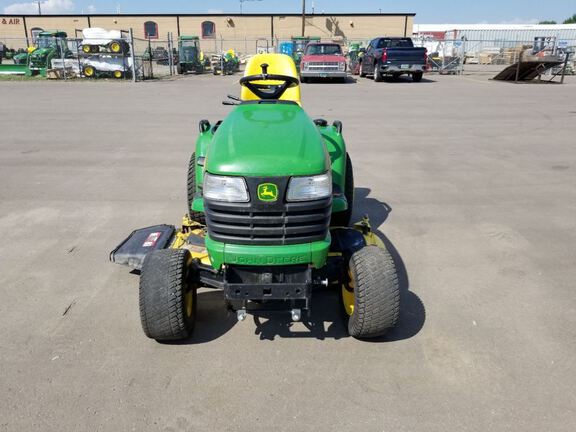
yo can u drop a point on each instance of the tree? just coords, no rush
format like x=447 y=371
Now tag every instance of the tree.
x=571 y=20
x=548 y=22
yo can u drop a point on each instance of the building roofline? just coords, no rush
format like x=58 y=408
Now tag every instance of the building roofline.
x=204 y=15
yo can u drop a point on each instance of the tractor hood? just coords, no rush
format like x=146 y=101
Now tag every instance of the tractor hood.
x=40 y=53
x=267 y=139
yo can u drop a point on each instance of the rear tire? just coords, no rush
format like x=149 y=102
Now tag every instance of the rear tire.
x=194 y=215
x=376 y=293
x=361 y=73
x=417 y=76
x=167 y=301
x=343 y=218
x=179 y=69
x=377 y=73
x=115 y=47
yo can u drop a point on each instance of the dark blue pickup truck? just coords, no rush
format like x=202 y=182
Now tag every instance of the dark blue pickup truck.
x=393 y=56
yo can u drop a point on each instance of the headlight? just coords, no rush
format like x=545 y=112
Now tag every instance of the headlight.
x=305 y=65
x=309 y=188
x=221 y=188
x=342 y=66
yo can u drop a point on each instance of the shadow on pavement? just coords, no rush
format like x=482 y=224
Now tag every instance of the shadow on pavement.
x=412 y=310
x=324 y=320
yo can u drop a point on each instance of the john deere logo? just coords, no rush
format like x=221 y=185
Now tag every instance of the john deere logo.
x=267 y=192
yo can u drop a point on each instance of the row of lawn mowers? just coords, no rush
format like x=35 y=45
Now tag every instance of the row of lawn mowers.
x=268 y=221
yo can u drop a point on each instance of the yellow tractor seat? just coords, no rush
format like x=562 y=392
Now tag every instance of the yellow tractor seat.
x=278 y=64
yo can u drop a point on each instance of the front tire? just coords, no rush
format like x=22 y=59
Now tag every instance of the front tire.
x=89 y=71
x=194 y=215
x=167 y=300
x=370 y=294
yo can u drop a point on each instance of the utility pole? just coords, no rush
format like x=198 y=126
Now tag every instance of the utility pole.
x=303 y=17
x=39 y=9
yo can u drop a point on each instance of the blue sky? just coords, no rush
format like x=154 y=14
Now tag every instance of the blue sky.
x=439 y=11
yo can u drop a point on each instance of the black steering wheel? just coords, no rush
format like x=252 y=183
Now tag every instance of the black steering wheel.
x=268 y=91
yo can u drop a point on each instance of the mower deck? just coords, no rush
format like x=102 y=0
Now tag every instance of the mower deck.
x=244 y=283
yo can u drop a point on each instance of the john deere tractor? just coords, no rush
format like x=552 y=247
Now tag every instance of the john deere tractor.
x=270 y=194
x=49 y=45
x=190 y=58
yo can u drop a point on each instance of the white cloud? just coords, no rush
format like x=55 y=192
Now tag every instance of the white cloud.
x=520 y=21
x=47 y=6
x=215 y=11
x=91 y=9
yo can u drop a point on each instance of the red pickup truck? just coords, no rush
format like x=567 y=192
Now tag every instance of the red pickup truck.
x=323 y=60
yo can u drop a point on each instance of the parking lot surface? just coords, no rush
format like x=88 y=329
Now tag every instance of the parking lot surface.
x=472 y=182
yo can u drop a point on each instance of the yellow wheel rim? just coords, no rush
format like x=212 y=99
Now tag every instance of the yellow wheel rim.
x=115 y=47
x=89 y=71
x=348 y=294
x=86 y=48
x=188 y=303
x=117 y=74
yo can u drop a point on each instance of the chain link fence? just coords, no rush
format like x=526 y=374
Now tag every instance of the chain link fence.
x=129 y=58
x=456 y=56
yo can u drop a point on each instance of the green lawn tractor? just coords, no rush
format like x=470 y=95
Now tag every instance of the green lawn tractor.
x=270 y=196
x=226 y=63
x=190 y=57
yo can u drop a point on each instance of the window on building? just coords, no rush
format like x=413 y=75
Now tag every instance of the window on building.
x=35 y=32
x=208 y=30
x=151 y=30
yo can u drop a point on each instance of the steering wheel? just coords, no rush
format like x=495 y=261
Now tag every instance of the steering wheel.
x=268 y=91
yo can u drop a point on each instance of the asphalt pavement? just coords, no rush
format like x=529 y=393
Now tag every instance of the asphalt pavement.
x=472 y=183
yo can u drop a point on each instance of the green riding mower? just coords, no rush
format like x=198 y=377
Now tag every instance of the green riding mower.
x=270 y=197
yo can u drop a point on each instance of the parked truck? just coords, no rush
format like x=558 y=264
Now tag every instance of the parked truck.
x=299 y=46
x=393 y=56
x=323 y=60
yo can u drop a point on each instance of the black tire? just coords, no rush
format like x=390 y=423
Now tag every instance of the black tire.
x=376 y=293
x=89 y=71
x=164 y=288
x=361 y=73
x=179 y=69
x=417 y=76
x=343 y=218
x=377 y=74
x=194 y=215
x=303 y=80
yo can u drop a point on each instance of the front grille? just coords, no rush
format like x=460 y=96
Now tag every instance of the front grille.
x=260 y=223
x=328 y=66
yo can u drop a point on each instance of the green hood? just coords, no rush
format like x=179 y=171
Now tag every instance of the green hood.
x=267 y=139
x=40 y=53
